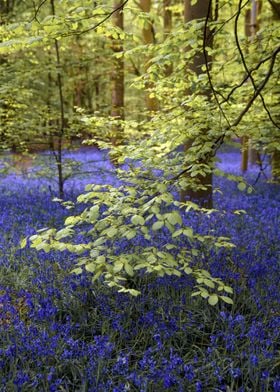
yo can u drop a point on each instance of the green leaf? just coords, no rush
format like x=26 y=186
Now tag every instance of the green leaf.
x=209 y=283
x=100 y=259
x=91 y=267
x=23 y=243
x=249 y=190
x=138 y=220
x=93 y=213
x=213 y=299
x=241 y=186
x=226 y=299
x=204 y=294
x=118 y=266
x=188 y=270
x=174 y=218
x=228 y=289
x=177 y=233
x=195 y=252
x=157 y=225
x=128 y=269
x=196 y=293
x=188 y=231
x=151 y=258
x=130 y=234
x=161 y=187
x=77 y=271
x=36 y=241
x=111 y=232
x=99 y=241
x=133 y=292
x=170 y=246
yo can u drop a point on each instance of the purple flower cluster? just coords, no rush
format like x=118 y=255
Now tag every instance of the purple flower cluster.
x=59 y=331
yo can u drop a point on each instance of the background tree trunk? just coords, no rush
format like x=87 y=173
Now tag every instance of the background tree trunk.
x=203 y=197
x=167 y=27
x=252 y=25
x=275 y=157
x=61 y=121
x=148 y=38
x=117 y=110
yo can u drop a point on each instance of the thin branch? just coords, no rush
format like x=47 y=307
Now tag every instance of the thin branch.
x=249 y=74
x=108 y=16
x=259 y=89
x=262 y=169
x=37 y=10
x=229 y=19
x=205 y=38
x=216 y=10
x=220 y=139
x=62 y=113
x=261 y=62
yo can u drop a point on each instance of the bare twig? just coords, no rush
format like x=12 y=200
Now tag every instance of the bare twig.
x=37 y=10
x=244 y=63
x=205 y=38
x=219 y=141
x=261 y=62
x=108 y=16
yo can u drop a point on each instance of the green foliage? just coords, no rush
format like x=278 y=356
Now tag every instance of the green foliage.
x=112 y=214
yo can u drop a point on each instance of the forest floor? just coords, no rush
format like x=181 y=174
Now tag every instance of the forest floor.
x=58 y=332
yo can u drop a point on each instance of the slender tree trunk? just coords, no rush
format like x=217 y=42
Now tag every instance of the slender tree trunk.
x=275 y=166
x=117 y=110
x=250 y=154
x=148 y=38
x=96 y=95
x=201 y=196
x=117 y=80
x=275 y=157
x=244 y=153
x=62 y=123
x=81 y=94
x=167 y=17
x=167 y=27
x=254 y=28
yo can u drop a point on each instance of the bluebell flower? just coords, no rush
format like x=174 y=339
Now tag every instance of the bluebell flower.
x=189 y=372
x=198 y=386
x=254 y=360
x=235 y=372
x=276 y=385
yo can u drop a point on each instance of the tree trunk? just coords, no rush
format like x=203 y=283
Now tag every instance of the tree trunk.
x=117 y=78
x=203 y=197
x=117 y=99
x=61 y=122
x=254 y=28
x=167 y=28
x=148 y=38
x=249 y=153
x=275 y=166
x=275 y=157
x=244 y=154
x=167 y=17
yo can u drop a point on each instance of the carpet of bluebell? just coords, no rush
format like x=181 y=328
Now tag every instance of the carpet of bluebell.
x=59 y=332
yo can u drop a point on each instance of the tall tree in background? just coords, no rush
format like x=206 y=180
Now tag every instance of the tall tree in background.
x=167 y=17
x=148 y=33
x=201 y=192
x=117 y=110
x=252 y=25
x=167 y=26
x=61 y=122
x=275 y=161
